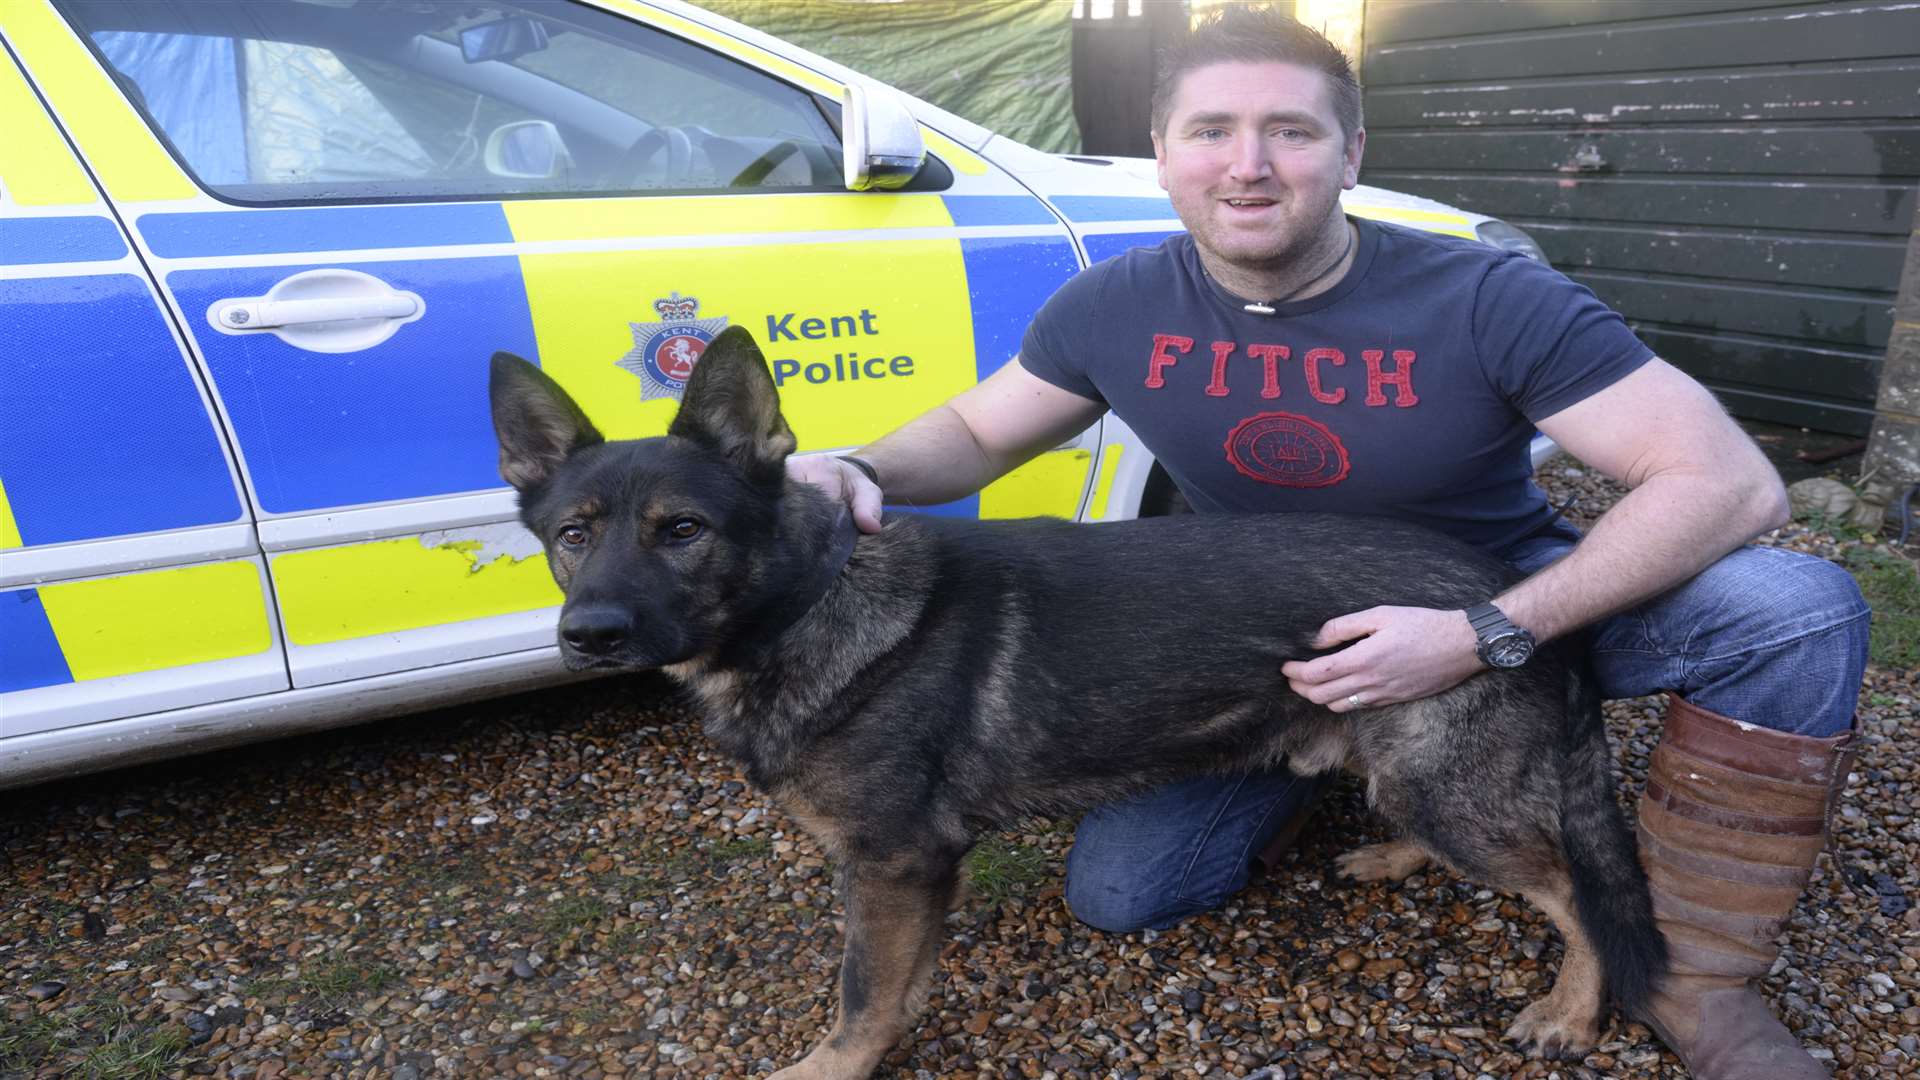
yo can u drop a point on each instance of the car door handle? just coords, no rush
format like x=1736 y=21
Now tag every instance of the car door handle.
x=263 y=314
x=331 y=310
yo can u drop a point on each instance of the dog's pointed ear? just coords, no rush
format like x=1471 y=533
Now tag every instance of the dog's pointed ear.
x=731 y=405
x=537 y=424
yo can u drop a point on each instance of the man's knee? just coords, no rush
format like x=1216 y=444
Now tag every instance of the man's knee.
x=1831 y=587
x=1786 y=646
x=1118 y=906
x=1148 y=862
x=1122 y=878
x=1818 y=589
x=1789 y=592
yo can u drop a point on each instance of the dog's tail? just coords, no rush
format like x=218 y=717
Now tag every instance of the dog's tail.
x=1610 y=894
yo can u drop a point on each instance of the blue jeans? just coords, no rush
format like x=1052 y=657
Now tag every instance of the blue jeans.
x=1765 y=635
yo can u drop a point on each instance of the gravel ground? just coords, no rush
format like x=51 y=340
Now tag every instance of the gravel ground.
x=573 y=884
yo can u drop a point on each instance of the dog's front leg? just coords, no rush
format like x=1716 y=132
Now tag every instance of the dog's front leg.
x=895 y=911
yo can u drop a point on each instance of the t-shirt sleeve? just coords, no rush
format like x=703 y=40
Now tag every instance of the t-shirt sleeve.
x=1057 y=340
x=1545 y=341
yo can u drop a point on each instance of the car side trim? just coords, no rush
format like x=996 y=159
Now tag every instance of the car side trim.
x=146 y=551
x=30 y=759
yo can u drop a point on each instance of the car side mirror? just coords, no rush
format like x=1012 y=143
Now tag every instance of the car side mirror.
x=881 y=140
x=528 y=150
x=502 y=39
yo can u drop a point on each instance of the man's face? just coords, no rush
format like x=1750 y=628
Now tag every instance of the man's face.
x=1254 y=159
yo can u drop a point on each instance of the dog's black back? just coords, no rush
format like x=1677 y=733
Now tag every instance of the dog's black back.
x=1088 y=662
x=955 y=675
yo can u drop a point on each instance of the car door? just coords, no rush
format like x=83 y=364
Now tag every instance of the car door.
x=130 y=578
x=350 y=209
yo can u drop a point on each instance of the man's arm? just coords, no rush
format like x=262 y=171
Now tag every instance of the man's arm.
x=955 y=449
x=1699 y=489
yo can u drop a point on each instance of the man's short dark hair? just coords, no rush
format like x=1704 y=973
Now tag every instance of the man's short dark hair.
x=1255 y=35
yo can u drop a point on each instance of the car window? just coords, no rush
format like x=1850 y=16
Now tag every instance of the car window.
x=280 y=101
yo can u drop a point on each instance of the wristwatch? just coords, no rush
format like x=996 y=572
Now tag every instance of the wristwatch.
x=1502 y=644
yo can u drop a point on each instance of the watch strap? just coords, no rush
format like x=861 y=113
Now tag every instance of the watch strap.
x=864 y=466
x=1485 y=617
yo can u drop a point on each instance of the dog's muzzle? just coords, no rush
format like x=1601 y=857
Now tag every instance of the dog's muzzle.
x=597 y=631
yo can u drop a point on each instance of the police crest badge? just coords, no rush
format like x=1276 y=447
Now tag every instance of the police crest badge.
x=664 y=352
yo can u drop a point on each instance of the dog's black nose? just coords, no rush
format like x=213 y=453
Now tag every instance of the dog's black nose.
x=596 y=630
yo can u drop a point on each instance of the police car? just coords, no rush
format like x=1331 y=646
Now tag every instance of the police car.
x=254 y=257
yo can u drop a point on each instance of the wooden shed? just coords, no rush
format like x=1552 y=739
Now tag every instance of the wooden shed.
x=1737 y=177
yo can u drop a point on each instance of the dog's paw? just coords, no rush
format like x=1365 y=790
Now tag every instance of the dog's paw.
x=1548 y=1029
x=1391 y=861
x=829 y=1061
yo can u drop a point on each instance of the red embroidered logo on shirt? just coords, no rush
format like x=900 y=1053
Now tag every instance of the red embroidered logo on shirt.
x=1288 y=450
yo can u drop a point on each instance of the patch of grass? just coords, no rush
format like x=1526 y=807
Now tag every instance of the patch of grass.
x=1000 y=869
x=739 y=849
x=59 y=919
x=590 y=1015
x=135 y=1054
x=659 y=870
x=455 y=874
x=271 y=987
x=26 y=1043
x=95 y=1040
x=1892 y=588
x=1054 y=826
x=613 y=880
x=572 y=913
x=626 y=940
x=1819 y=521
x=333 y=984
x=155 y=949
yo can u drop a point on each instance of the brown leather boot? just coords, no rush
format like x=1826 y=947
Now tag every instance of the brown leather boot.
x=1733 y=818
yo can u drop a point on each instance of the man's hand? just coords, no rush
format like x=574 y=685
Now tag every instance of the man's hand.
x=1404 y=654
x=843 y=482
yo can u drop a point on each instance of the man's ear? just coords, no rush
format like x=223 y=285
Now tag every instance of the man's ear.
x=537 y=424
x=731 y=405
x=1355 y=149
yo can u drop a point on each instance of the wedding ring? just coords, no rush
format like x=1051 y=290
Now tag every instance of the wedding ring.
x=1354 y=700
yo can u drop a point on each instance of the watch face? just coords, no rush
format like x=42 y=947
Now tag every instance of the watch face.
x=1509 y=650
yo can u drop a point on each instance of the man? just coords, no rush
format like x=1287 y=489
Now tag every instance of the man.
x=1280 y=356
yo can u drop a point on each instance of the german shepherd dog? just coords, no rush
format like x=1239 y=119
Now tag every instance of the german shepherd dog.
x=947 y=678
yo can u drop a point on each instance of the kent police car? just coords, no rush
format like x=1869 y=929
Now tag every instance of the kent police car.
x=254 y=257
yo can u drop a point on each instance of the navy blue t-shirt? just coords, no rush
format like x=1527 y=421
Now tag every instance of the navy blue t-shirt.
x=1409 y=389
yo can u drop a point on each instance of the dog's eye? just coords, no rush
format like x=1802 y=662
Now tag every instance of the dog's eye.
x=684 y=529
x=573 y=536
